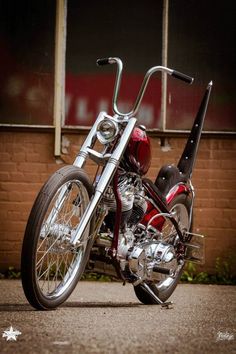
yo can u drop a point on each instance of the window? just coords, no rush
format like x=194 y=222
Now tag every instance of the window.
x=201 y=44
x=27 y=61
x=130 y=30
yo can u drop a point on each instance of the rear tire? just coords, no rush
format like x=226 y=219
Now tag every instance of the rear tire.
x=50 y=267
x=166 y=287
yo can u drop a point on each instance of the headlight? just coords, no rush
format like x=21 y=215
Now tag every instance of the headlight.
x=107 y=130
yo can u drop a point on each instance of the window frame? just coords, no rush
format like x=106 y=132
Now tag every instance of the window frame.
x=59 y=85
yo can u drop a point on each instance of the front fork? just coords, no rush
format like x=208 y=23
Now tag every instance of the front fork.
x=112 y=163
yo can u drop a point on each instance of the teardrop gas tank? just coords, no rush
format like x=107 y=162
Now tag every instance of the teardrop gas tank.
x=137 y=157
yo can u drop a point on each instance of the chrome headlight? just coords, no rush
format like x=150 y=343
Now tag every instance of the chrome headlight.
x=107 y=130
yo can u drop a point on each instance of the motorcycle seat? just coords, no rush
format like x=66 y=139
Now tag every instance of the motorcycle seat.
x=168 y=177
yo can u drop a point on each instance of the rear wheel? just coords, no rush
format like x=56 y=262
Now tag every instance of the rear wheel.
x=50 y=266
x=181 y=207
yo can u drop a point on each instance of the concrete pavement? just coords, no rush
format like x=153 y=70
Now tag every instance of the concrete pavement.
x=108 y=318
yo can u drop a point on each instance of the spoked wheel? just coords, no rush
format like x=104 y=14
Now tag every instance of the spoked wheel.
x=181 y=208
x=50 y=266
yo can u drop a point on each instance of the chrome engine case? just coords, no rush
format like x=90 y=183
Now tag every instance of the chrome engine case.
x=141 y=258
x=148 y=260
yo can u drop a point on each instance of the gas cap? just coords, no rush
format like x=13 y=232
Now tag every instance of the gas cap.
x=142 y=127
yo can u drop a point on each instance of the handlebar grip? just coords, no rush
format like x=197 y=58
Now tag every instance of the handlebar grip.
x=103 y=61
x=183 y=77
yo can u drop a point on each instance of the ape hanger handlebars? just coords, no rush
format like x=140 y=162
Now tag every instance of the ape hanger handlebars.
x=149 y=73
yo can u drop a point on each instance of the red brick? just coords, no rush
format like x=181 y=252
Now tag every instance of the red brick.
x=14 y=196
x=223 y=174
x=31 y=167
x=211 y=217
x=232 y=204
x=228 y=164
x=5 y=156
x=18 y=157
x=4 y=176
x=205 y=203
x=16 y=226
x=33 y=157
x=7 y=246
x=223 y=154
x=17 y=177
x=14 y=215
x=222 y=203
x=203 y=193
x=3 y=214
x=14 y=205
x=28 y=160
x=222 y=193
x=51 y=168
x=31 y=195
x=8 y=166
x=31 y=177
x=228 y=184
x=228 y=144
x=43 y=149
x=205 y=164
x=13 y=186
x=4 y=196
x=10 y=236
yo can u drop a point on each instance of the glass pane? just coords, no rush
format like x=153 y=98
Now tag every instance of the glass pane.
x=129 y=30
x=202 y=44
x=27 y=61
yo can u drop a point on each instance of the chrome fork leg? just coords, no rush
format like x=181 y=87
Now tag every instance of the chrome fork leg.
x=105 y=179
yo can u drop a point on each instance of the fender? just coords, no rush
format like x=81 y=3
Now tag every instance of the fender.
x=179 y=188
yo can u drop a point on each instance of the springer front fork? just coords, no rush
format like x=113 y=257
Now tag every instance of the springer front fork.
x=111 y=162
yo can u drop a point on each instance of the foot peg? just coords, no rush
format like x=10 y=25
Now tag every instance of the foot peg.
x=195 y=248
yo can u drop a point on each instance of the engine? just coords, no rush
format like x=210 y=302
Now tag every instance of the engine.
x=126 y=190
x=152 y=260
x=142 y=254
x=133 y=202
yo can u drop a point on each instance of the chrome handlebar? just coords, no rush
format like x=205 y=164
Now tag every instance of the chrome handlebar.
x=142 y=90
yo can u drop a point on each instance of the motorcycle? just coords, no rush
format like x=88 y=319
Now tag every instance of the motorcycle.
x=122 y=220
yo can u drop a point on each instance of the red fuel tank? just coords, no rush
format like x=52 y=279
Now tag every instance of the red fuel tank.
x=137 y=157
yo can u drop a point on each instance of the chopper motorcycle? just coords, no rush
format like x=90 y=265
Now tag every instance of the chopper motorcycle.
x=123 y=220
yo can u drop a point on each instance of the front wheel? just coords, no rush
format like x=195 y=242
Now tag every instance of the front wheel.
x=181 y=207
x=50 y=266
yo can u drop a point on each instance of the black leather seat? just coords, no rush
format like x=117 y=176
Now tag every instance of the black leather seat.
x=168 y=176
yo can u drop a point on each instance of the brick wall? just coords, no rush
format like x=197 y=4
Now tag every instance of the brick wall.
x=26 y=161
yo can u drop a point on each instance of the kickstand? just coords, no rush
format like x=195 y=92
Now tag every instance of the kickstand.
x=167 y=305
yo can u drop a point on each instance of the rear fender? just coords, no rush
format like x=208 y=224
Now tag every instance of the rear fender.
x=179 y=188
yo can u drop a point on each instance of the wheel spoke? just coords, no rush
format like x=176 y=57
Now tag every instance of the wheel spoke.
x=45 y=254
x=56 y=260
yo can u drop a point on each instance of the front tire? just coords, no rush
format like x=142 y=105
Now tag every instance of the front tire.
x=50 y=267
x=181 y=204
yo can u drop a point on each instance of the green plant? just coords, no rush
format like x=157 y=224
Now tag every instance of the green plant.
x=225 y=270
x=224 y=273
x=189 y=273
x=96 y=277
x=12 y=273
